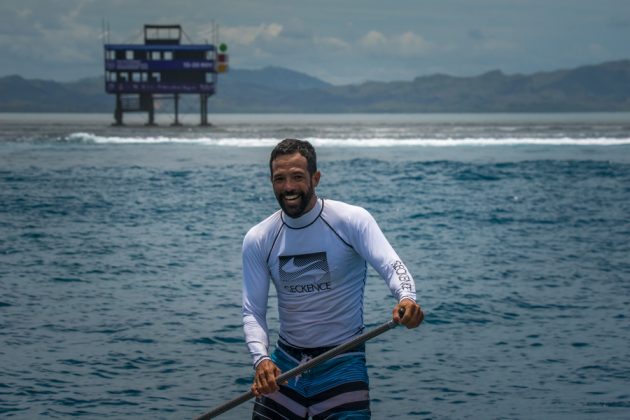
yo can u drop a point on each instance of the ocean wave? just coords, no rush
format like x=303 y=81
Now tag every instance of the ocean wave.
x=351 y=142
x=229 y=142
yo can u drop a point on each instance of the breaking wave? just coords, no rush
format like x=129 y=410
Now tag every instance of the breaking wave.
x=350 y=142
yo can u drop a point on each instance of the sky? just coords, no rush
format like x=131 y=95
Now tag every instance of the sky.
x=338 y=41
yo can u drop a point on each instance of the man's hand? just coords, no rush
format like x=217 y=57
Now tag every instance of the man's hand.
x=413 y=314
x=265 y=378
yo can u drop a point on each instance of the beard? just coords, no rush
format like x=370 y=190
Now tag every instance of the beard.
x=295 y=211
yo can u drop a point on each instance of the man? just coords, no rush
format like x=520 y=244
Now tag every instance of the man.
x=315 y=251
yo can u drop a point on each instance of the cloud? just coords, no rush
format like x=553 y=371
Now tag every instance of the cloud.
x=411 y=44
x=248 y=35
x=23 y=13
x=373 y=40
x=595 y=48
x=331 y=42
x=57 y=36
x=476 y=35
x=482 y=41
x=405 y=44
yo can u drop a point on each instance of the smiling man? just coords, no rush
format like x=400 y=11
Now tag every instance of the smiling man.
x=316 y=253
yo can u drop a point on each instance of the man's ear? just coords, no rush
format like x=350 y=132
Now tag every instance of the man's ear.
x=315 y=178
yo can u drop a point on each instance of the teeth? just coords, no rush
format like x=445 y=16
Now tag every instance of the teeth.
x=291 y=197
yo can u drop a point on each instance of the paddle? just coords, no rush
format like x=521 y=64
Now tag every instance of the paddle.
x=306 y=366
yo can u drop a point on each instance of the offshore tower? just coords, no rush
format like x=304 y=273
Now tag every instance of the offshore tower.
x=163 y=68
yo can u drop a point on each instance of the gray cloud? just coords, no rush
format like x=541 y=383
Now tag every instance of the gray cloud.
x=342 y=42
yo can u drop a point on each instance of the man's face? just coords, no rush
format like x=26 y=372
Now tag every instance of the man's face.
x=293 y=186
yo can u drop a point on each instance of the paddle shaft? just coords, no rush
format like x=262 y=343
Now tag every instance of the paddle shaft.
x=303 y=367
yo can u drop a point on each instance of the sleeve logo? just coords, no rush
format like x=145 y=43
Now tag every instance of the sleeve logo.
x=403 y=276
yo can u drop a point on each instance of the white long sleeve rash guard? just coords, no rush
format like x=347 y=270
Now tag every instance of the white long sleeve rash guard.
x=318 y=266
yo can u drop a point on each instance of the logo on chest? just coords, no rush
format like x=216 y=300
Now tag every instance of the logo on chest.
x=306 y=273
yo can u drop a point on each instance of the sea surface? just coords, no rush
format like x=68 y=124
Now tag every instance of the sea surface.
x=120 y=268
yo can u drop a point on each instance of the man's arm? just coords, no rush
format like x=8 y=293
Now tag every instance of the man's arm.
x=370 y=242
x=255 y=296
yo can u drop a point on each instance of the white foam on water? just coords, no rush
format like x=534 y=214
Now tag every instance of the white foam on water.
x=353 y=142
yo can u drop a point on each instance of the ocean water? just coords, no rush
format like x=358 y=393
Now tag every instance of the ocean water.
x=120 y=261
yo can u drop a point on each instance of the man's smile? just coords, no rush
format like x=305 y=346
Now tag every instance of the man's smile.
x=292 y=197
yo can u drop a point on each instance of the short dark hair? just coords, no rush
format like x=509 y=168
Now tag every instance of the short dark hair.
x=291 y=146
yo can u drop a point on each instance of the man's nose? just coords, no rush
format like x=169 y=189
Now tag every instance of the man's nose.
x=289 y=184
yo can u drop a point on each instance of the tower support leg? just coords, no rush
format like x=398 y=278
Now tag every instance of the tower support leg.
x=151 y=106
x=118 y=111
x=176 y=104
x=203 y=109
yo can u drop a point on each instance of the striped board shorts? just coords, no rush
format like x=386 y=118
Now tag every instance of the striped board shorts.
x=335 y=389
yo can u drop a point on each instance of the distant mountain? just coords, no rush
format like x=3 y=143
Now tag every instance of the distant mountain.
x=22 y=95
x=273 y=78
x=602 y=87
x=262 y=90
